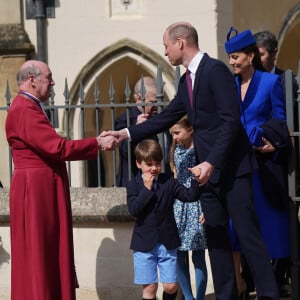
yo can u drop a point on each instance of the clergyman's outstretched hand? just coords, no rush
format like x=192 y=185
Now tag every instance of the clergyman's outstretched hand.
x=107 y=142
x=116 y=136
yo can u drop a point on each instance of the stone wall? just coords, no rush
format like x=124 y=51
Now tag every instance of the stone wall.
x=102 y=231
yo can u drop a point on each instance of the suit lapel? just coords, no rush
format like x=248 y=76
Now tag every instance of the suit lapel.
x=197 y=86
x=199 y=74
x=251 y=92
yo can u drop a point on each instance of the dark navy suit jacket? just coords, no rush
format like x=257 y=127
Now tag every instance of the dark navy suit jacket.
x=219 y=137
x=153 y=210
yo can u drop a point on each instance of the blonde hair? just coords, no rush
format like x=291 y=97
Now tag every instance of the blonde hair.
x=184 y=122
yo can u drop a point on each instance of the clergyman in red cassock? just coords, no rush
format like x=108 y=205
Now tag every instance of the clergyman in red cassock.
x=42 y=253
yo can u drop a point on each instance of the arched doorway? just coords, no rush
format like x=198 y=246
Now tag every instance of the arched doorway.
x=123 y=60
x=289 y=41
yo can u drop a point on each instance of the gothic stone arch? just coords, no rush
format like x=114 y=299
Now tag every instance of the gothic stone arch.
x=124 y=59
x=289 y=40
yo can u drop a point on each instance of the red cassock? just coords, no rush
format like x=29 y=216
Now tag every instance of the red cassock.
x=42 y=253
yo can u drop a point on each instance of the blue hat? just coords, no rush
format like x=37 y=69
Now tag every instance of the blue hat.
x=239 y=40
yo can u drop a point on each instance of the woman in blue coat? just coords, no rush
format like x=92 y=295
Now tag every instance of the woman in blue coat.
x=263 y=115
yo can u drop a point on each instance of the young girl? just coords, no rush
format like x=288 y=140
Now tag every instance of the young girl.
x=189 y=217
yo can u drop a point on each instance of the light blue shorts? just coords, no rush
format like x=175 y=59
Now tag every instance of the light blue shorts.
x=147 y=264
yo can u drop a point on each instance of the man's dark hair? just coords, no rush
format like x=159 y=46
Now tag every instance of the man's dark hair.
x=267 y=40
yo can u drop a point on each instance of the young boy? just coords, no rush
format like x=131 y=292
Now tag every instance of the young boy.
x=150 y=198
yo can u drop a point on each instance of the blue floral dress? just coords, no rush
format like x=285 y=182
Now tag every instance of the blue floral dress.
x=187 y=214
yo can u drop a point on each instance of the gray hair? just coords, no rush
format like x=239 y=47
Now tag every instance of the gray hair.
x=26 y=72
x=148 y=86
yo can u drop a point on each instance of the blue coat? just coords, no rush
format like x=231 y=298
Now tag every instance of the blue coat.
x=263 y=115
x=264 y=100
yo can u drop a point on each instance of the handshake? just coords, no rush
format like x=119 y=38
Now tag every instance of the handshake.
x=109 y=140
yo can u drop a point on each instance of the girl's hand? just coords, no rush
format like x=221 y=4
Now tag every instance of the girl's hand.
x=202 y=218
x=266 y=148
x=202 y=172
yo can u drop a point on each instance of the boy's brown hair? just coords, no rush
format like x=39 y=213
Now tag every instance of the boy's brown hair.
x=148 y=151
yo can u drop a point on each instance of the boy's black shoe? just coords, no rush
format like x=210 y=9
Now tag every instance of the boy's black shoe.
x=169 y=296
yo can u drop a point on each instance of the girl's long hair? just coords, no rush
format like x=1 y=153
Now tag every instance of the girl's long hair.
x=185 y=123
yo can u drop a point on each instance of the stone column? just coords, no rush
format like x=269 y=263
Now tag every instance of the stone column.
x=15 y=48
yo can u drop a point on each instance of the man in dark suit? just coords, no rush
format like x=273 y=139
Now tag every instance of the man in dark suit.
x=144 y=93
x=268 y=47
x=225 y=157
